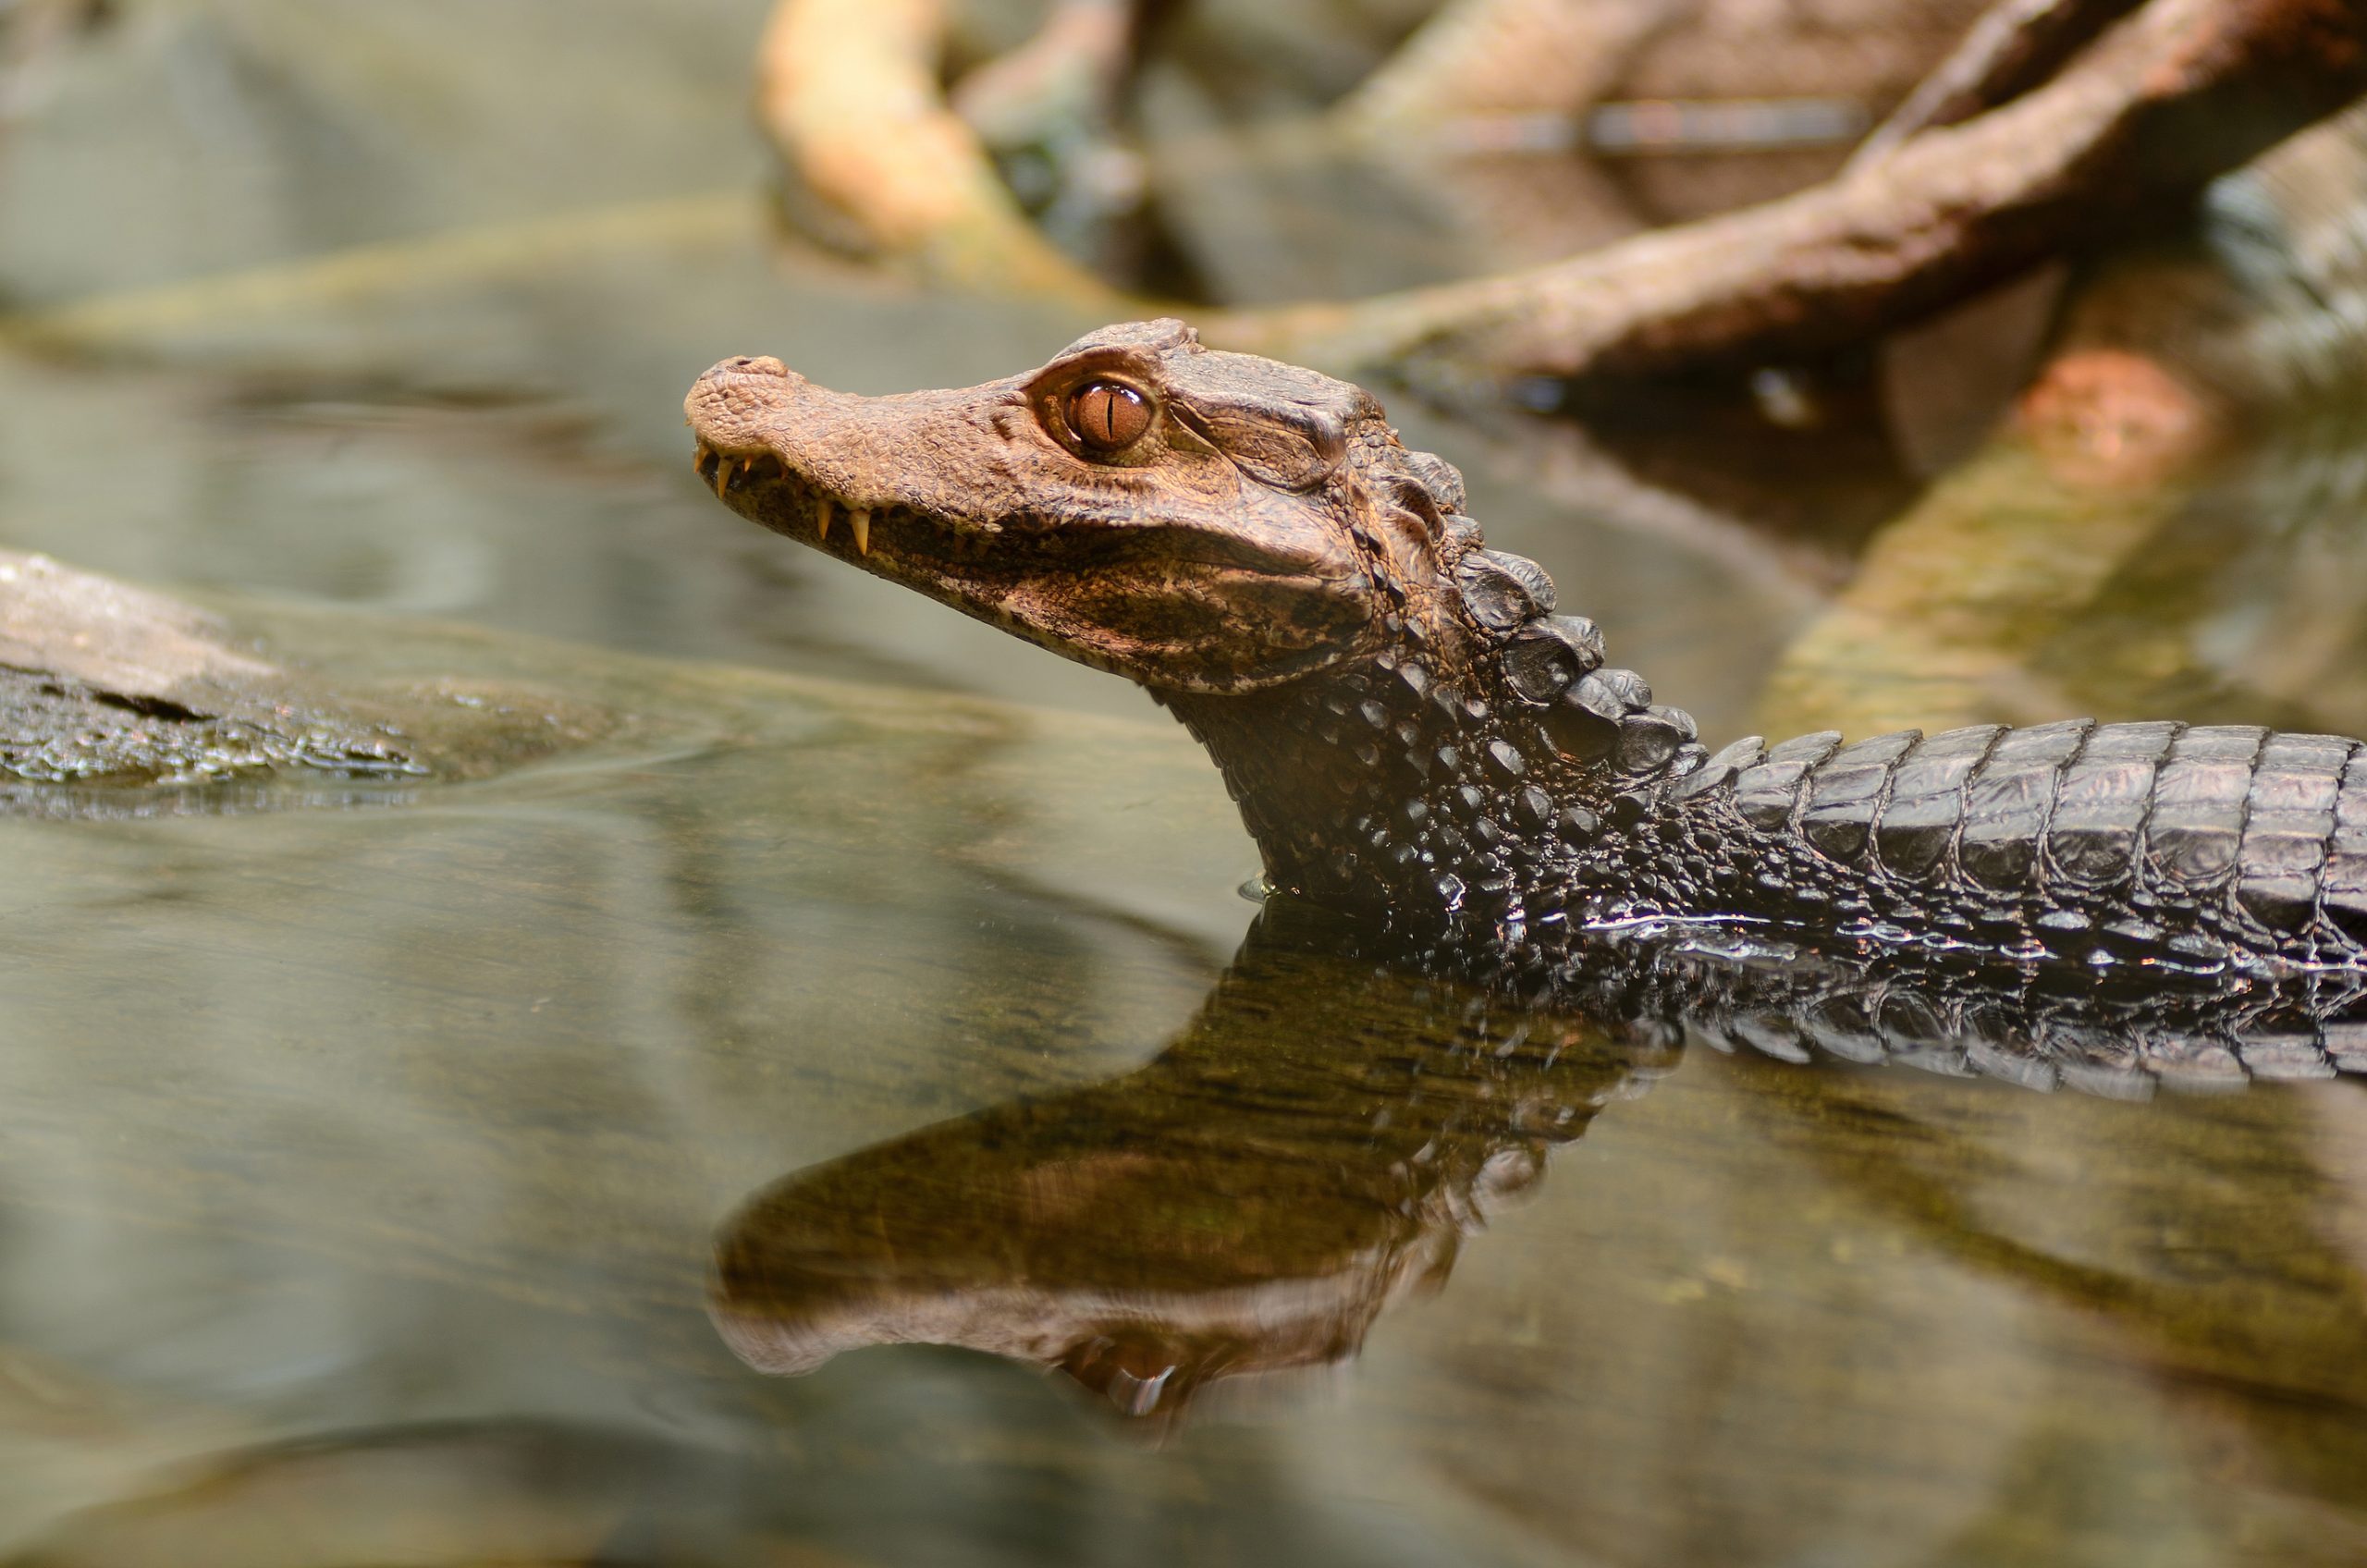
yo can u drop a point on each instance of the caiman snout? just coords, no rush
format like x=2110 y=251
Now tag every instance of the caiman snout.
x=733 y=393
x=748 y=367
x=796 y=456
x=734 y=408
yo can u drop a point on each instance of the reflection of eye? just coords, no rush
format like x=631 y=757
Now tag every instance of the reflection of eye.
x=1106 y=415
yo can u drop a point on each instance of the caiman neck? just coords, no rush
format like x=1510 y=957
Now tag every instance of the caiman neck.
x=1434 y=792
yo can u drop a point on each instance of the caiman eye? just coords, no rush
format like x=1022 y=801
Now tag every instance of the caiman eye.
x=1107 y=415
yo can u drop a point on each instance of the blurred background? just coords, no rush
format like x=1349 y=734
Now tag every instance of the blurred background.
x=361 y=1169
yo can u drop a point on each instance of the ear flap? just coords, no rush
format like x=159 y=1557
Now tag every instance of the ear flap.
x=1290 y=447
x=1285 y=426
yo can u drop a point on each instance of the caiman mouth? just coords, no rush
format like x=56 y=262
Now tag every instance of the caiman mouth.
x=762 y=487
x=760 y=484
x=728 y=410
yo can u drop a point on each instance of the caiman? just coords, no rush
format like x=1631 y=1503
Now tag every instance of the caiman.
x=1413 y=731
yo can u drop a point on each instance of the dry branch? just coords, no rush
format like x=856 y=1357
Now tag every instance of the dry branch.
x=2123 y=136
x=2179 y=93
x=848 y=92
x=2017 y=45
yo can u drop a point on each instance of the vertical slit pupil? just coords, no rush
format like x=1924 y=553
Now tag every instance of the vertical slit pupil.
x=1107 y=415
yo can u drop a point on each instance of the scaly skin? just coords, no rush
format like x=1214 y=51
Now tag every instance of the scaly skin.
x=1413 y=733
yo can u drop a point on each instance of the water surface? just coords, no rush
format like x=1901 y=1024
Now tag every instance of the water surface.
x=364 y=1170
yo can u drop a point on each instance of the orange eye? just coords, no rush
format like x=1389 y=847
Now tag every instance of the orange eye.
x=1106 y=415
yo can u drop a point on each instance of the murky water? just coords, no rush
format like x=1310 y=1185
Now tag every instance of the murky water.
x=448 y=1178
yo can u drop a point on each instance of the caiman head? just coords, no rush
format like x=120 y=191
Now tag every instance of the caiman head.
x=1184 y=517
x=1247 y=539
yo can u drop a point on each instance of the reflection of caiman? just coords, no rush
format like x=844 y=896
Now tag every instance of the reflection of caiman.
x=1409 y=727
x=1312 y=1150
x=1317 y=1144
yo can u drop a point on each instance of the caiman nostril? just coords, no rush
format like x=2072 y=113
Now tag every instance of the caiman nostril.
x=760 y=364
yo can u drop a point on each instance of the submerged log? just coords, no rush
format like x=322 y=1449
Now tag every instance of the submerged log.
x=115 y=701
x=100 y=683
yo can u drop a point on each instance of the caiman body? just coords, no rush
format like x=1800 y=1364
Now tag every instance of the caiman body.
x=1413 y=730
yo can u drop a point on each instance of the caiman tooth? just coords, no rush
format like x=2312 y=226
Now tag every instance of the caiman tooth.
x=859 y=518
x=722 y=478
x=823 y=510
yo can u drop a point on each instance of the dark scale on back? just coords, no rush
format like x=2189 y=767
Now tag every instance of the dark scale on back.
x=1414 y=730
